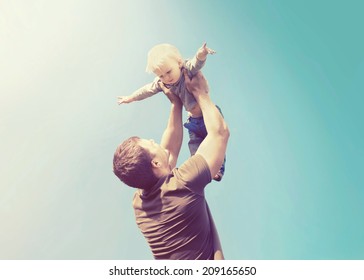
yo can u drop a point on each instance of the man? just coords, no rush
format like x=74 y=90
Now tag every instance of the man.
x=170 y=206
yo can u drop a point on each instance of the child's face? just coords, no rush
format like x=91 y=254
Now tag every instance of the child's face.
x=170 y=71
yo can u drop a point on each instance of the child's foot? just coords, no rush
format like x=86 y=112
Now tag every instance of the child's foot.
x=218 y=176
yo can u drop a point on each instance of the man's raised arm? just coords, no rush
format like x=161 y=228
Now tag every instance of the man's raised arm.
x=173 y=134
x=213 y=147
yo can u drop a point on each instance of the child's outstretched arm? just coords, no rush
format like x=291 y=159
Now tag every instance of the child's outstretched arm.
x=198 y=61
x=142 y=93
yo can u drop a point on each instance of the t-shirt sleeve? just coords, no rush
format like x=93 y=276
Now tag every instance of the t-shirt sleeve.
x=194 y=173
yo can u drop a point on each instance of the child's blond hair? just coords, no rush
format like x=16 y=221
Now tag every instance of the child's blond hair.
x=159 y=53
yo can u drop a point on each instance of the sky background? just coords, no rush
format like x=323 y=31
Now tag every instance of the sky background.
x=288 y=76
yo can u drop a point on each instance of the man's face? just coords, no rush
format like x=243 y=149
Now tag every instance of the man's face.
x=169 y=72
x=157 y=152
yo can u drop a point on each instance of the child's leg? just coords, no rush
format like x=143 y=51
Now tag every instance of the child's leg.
x=194 y=131
x=222 y=168
x=194 y=142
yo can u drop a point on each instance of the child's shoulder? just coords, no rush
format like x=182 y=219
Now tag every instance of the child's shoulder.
x=155 y=83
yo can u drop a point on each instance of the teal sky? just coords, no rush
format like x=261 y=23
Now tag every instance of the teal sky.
x=288 y=76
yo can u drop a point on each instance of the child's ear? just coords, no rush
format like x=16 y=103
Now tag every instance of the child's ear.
x=180 y=63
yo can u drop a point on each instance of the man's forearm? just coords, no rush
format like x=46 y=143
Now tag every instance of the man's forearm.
x=173 y=134
x=213 y=147
x=214 y=122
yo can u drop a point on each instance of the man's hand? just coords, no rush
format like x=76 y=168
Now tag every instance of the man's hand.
x=197 y=85
x=170 y=95
x=203 y=52
x=124 y=99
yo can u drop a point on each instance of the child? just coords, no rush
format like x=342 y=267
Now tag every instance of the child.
x=166 y=62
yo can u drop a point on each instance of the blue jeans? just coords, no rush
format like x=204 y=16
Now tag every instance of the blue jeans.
x=197 y=132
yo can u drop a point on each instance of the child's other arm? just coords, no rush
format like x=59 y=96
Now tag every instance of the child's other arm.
x=142 y=93
x=195 y=64
x=203 y=52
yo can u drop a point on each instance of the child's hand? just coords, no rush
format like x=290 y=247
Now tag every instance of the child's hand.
x=204 y=51
x=124 y=99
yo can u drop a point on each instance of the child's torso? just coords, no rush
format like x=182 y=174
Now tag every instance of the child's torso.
x=187 y=98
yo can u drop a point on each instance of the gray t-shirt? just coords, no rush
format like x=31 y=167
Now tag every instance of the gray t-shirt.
x=188 y=100
x=174 y=216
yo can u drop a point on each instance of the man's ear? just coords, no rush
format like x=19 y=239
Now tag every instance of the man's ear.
x=155 y=163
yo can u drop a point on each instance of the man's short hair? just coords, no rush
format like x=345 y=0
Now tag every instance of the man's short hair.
x=159 y=53
x=132 y=164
